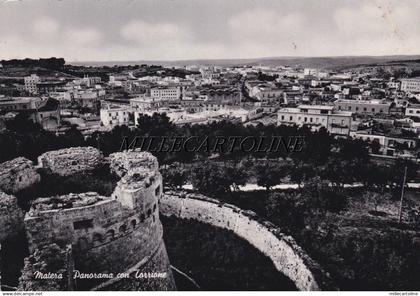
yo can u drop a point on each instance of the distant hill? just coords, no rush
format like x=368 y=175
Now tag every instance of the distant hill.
x=306 y=62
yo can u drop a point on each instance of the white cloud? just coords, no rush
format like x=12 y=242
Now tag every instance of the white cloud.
x=45 y=27
x=380 y=28
x=151 y=34
x=82 y=37
x=265 y=25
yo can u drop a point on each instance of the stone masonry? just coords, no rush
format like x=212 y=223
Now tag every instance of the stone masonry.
x=66 y=162
x=113 y=234
x=285 y=253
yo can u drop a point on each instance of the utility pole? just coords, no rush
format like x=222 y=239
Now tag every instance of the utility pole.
x=402 y=195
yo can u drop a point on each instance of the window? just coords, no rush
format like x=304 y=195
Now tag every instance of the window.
x=110 y=234
x=291 y=118
x=133 y=223
x=123 y=228
x=305 y=119
x=97 y=239
x=157 y=191
x=310 y=119
x=83 y=224
x=373 y=110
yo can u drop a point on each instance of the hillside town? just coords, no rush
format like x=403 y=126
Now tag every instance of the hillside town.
x=377 y=104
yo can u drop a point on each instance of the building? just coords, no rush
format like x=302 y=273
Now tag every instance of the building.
x=413 y=110
x=336 y=122
x=48 y=115
x=268 y=94
x=112 y=116
x=31 y=83
x=363 y=107
x=19 y=103
x=45 y=87
x=91 y=81
x=166 y=93
x=388 y=144
x=411 y=85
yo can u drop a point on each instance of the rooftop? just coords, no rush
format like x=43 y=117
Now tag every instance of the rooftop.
x=316 y=107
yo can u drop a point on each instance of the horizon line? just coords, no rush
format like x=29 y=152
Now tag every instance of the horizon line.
x=244 y=58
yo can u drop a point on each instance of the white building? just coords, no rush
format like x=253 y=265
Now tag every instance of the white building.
x=91 y=81
x=112 y=116
x=310 y=72
x=413 y=110
x=31 y=83
x=410 y=85
x=166 y=93
x=316 y=116
x=362 y=106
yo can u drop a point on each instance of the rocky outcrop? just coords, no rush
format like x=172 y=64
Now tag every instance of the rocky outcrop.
x=17 y=174
x=66 y=162
x=282 y=249
x=48 y=269
x=11 y=216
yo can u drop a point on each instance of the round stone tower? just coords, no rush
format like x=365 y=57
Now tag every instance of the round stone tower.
x=111 y=242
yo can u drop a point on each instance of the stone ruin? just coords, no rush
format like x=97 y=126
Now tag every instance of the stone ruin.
x=122 y=233
x=89 y=233
x=66 y=162
x=17 y=174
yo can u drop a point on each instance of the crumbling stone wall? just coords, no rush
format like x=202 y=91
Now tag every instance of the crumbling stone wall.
x=66 y=162
x=108 y=234
x=11 y=216
x=17 y=174
x=52 y=261
x=286 y=255
x=123 y=162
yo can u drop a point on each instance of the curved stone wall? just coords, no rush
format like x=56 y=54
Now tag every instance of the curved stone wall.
x=286 y=255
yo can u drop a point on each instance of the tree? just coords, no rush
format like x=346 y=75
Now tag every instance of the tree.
x=375 y=198
x=236 y=176
x=301 y=172
x=174 y=175
x=210 y=179
x=319 y=196
x=270 y=174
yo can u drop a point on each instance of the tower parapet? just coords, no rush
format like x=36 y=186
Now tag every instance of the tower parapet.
x=67 y=162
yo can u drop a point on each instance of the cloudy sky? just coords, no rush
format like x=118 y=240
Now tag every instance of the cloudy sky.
x=118 y=30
